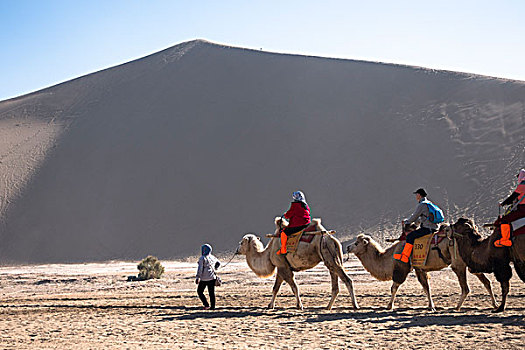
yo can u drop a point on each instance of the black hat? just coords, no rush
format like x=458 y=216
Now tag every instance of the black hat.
x=422 y=192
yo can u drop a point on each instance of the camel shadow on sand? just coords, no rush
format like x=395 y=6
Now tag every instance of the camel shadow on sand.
x=230 y=312
x=405 y=318
x=402 y=318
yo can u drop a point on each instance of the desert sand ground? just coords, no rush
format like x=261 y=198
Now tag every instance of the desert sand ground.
x=92 y=306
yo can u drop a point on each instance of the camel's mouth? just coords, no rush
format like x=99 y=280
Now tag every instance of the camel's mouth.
x=458 y=231
x=351 y=247
x=464 y=228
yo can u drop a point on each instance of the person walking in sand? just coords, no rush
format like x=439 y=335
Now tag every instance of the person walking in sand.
x=299 y=216
x=206 y=276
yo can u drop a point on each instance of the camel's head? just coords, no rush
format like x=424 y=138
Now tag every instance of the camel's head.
x=280 y=223
x=249 y=241
x=447 y=229
x=410 y=227
x=360 y=245
x=465 y=228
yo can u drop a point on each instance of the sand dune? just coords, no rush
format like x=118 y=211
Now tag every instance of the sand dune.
x=203 y=142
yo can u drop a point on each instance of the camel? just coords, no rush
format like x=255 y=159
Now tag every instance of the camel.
x=482 y=256
x=326 y=248
x=381 y=264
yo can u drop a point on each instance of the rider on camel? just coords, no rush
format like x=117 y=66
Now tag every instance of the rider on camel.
x=298 y=216
x=517 y=211
x=421 y=214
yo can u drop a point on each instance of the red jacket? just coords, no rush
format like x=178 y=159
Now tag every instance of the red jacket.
x=298 y=215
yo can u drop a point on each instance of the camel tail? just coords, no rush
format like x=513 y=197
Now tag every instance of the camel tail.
x=519 y=266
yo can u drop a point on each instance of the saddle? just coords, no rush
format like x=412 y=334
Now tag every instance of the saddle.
x=518 y=227
x=517 y=224
x=301 y=236
x=422 y=246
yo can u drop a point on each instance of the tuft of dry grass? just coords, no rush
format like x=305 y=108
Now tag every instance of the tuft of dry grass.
x=150 y=268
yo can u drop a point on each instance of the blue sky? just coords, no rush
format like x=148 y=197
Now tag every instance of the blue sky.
x=44 y=42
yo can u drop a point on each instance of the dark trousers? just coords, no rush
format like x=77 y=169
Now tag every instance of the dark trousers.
x=516 y=214
x=423 y=231
x=292 y=230
x=211 y=290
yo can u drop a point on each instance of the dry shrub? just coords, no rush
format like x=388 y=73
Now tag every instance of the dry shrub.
x=150 y=268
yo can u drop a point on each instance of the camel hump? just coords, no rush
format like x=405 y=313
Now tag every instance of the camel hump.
x=315 y=225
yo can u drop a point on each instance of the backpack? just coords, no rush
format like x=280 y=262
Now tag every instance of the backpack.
x=435 y=214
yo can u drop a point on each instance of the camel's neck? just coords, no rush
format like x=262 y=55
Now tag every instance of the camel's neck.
x=259 y=261
x=475 y=253
x=380 y=264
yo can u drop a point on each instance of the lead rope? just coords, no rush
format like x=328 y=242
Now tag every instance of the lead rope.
x=220 y=267
x=455 y=249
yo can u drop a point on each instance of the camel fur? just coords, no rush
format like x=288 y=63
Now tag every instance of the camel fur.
x=482 y=256
x=517 y=255
x=326 y=248
x=382 y=265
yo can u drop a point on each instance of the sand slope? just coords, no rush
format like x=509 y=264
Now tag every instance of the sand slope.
x=203 y=142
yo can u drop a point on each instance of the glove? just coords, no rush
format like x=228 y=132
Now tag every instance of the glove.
x=197 y=280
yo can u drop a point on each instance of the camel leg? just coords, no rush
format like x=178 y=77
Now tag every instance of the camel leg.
x=393 y=291
x=488 y=287
x=348 y=283
x=461 y=273
x=335 y=288
x=399 y=275
x=289 y=278
x=422 y=277
x=503 y=275
x=505 y=286
x=278 y=281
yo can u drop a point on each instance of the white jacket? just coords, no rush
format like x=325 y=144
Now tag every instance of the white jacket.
x=207 y=266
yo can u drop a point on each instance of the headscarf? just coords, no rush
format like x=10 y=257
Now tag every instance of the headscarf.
x=206 y=250
x=521 y=176
x=299 y=196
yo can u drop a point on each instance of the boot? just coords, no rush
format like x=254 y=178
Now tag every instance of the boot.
x=405 y=254
x=505 y=237
x=284 y=239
